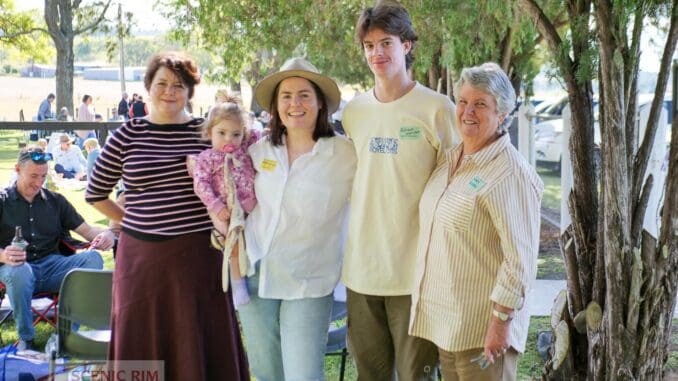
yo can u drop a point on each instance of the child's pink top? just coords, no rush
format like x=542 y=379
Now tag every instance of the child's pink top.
x=208 y=177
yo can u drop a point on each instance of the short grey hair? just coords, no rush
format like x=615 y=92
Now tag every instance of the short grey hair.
x=491 y=79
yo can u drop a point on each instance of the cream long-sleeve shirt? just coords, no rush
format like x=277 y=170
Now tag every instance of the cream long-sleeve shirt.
x=478 y=245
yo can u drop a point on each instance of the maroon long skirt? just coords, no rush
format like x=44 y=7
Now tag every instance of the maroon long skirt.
x=168 y=305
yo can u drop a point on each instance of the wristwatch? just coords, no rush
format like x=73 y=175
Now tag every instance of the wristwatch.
x=502 y=316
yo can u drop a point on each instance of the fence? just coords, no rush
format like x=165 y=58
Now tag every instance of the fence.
x=47 y=127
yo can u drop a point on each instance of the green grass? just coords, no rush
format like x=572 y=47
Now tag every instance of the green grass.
x=552 y=195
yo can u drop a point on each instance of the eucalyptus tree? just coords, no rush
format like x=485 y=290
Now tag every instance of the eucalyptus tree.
x=614 y=321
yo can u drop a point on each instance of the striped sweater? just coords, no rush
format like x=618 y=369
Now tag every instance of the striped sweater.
x=151 y=160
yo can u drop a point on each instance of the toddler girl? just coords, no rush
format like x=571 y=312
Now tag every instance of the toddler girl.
x=223 y=178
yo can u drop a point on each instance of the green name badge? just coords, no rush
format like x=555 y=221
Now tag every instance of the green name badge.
x=410 y=133
x=476 y=183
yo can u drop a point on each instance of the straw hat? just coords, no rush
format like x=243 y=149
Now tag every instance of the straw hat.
x=298 y=67
x=64 y=138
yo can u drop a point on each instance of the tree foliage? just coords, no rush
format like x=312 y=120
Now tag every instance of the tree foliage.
x=253 y=38
x=23 y=31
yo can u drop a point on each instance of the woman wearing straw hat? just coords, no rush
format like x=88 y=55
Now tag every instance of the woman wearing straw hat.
x=303 y=182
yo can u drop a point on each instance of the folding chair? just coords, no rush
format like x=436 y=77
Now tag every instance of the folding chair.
x=336 y=336
x=83 y=328
x=47 y=312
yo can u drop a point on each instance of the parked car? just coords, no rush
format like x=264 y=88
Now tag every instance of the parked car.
x=548 y=135
x=548 y=143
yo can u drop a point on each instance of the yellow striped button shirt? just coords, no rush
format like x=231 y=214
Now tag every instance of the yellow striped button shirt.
x=478 y=244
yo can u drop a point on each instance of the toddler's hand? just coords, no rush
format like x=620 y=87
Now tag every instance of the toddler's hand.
x=224 y=214
x=190 y=164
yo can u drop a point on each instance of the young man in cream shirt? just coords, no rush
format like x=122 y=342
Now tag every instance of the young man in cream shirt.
x=400 y=130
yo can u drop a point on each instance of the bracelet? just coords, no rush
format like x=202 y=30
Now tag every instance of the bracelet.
x=502 y=316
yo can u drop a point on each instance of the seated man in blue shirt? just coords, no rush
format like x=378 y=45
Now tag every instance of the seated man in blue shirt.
x=45 y=109
x=44 y=217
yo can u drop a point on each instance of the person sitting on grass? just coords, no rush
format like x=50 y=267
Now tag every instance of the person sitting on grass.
x=70 y=161
x=93 y=149
x=44 y=217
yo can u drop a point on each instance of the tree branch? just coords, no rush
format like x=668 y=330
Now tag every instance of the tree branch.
x=51 y=19
x=643 y=156
x=639 y=212
x=94 y=23
x=5 y=37
x=631 y=62
x=544 y=25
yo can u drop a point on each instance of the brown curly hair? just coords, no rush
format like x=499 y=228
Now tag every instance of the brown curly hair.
x=179 y=63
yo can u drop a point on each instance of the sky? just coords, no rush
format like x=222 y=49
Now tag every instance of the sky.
x=143 y=9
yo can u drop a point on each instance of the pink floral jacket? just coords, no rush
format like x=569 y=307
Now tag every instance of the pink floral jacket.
x=208 y=177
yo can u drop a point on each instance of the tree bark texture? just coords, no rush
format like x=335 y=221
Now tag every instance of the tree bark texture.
x=621 y=281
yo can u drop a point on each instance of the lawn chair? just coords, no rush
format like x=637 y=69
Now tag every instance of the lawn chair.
x=47 y=311
x=83 y=328
x=336 y=336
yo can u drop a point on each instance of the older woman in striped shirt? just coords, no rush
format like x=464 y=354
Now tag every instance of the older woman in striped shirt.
x=479 y=237
x=167 y=298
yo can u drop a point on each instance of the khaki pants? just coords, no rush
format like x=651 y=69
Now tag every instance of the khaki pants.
x=379 y=343
x=457 y=366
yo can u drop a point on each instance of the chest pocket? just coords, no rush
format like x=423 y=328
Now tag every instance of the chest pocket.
x=455 y=210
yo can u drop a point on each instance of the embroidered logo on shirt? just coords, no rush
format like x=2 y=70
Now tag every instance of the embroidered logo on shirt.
x=268 y=165
x=384 y=145
x=410 y=133
x=476 y=183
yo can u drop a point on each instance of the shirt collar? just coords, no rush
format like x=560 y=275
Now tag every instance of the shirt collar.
x=324 y=146
x=14 y=194
x=483 y=156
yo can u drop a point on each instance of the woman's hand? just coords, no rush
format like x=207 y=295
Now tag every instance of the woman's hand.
x=496 y=339
x=219 y=224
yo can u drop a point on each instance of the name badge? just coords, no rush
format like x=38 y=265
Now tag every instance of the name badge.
x=476 y=183
x=410 y=133
x=268 y=165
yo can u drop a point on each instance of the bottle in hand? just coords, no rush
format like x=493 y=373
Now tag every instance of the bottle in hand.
x=18 y=239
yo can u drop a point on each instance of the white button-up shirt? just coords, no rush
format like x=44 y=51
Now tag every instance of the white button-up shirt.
x=296 y=229
x=72 y=159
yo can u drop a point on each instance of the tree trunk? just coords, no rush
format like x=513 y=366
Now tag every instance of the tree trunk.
x=64 y=77
x=59 y=19
x=434 y=74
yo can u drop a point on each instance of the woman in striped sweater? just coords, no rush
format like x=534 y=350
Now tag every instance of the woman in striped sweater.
x=167 y=298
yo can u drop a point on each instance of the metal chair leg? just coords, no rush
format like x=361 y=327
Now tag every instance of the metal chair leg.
x=342 y=368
